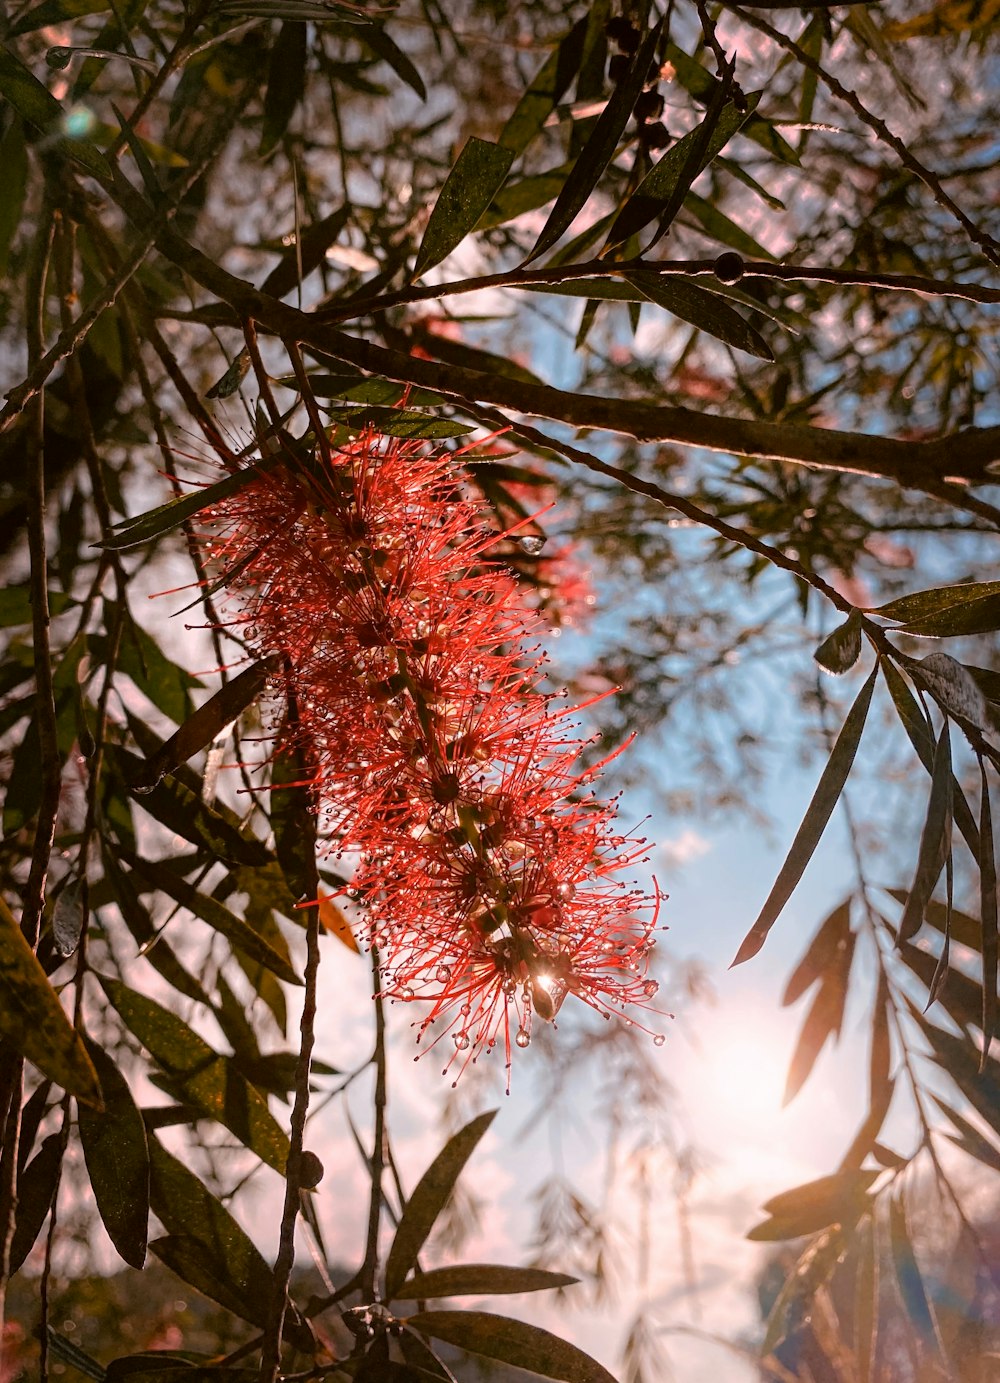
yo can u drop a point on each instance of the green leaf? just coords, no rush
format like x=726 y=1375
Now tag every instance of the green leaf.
x=818 y=813
x=151 y=874
x=791 y=1308
x=935 y=839
x=546 y=90
x=286 y=82
x=36 y=1190
x=155 y=522
x=840 y=650
x=823 y=952
x=469 y=188
x=398 y=422
x=174 y=805
x=702 y=85
x=912 y=1292
x=117 y=1157
x=954 y=689
x=23 y=795
x=390 y=52
x=189 y=1211
x=68 y=1353
x=32 y=1019
x=599 y=150
x=527 y=194
x=201 y=1076
x=704 y=310
x=54 y=12
x=164 y=682
x=823 y=1020
x=210 y=719
x=511 y=1342
x=988 y=906
x=721 y=228
x=478 y=1279
x=36 y=104
x=428 y=1200
x=314 y=241
x=68 y=918
x=474 y=357
x=971 y=608
x=659 y=187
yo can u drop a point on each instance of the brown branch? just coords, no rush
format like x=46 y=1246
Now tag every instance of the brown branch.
x=45 y=713
x=369 y=1269
x=986 y=242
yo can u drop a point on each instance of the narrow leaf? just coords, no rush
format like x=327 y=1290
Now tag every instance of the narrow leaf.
x=155 y=522
x=830 y=940
x=286 y=82
x=988 y=912
x=810 y=1272
x=923 y=605
x=428 y=1200
x=659 y=187
x=314 y=241
x=390 y=52
x=201 y=1076
x=547 y=88
x=818 y=813
x=36 y=1190
x=969 y=1139
x=69 y=917
x=511 y=1342
x=399 y=422
x=117 y=1157
x=32 y=1019
x=478 y=1279
x=36 y=104
x=210 y=719
x=912 y=1292
x=866 y=1300
x=823 y=1020
x=476 y=178
x=704 y=310
x=840 y=650
x=935 y=839
x=954 y=689
x=293 y=822
x=600 y=148
x=151 y=874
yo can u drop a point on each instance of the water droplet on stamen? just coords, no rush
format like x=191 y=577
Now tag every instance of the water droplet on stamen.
x=443 y=974
x=659 y=1040
x=523 y=1037
x=406 y=994
x=461 y=1040
x=531 y=543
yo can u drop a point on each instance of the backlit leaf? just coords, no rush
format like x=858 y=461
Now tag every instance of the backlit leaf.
x=428 y=1200
x=36 y=1190
x=201 y=1076
x=546 y=89
x=823 y=1020
x=818 y=813
x=830 y=940
x=599 y=149
x=810 y=1272
x=476 y=178
x=155 y=522
x=117 y=1157
x=286 y=82
x=970 y=608
x=478 y=1279
x=840 y=650
x=912 y=1292
x=935 y=839
x=32 y=1019
x=511 y=1342
x=704 y=310
x=69 y=917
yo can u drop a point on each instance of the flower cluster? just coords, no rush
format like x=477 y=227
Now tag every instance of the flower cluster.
x=488 y=871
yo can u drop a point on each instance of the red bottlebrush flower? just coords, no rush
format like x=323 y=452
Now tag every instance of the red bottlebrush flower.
x=488 y=876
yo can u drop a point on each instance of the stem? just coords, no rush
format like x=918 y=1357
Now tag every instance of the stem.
x=51 y=768
x=370 y=1267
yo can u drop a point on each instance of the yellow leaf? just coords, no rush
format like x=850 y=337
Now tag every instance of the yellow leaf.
x=946 y=17
x=337 y=924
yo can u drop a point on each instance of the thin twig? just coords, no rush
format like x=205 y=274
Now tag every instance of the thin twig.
x=986 y=242
x=369 y=1270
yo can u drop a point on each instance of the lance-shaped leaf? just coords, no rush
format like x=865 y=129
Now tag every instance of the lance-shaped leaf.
x=476 y=178
x=912 y=1292
x=840 y=1198
x=866 y=1299
x=155 y=522
x=660 y=185
x=293 y=822
x=480 y=1279
x=511 y=1342
x=398 y=422
x=419 y=1355
x=988 y=909
x=151 y=874
x=428 y=1200
x=163 y=1366
x=704 y=310
x=36 y=1191
x=32 y=1019
x=547 y=88
x=954 y=688
x=210 y=719
x=958 y=1059
x=314 y=241
x=286 y=82
x=200 y=1076
x=920 y=736
x=840 y=650
x=823 y=1020
x=969 y=1139
x=68 y=917
x=117 y=1157
x=599 y=149
x=971 y=608
x=390 y=52
x=809 y=1274
x=36 y=104
x=830 y=941
x=935 y=839
x=961 y=997
x=818 y=813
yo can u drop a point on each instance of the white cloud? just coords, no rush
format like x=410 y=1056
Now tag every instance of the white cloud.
x=688 y=846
